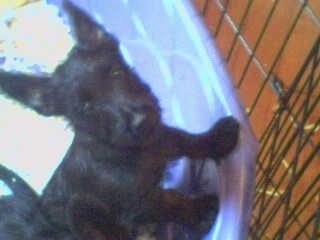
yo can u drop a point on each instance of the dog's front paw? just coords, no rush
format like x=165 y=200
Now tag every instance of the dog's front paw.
x=224 y=137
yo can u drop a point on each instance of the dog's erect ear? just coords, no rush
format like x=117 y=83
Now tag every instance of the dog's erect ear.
x=32 y=91
x=89 y=219
x=88 y=33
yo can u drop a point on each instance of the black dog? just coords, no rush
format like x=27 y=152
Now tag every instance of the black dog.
x=121 y=147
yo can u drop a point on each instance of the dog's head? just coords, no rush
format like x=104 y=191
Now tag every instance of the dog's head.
x=93 y=88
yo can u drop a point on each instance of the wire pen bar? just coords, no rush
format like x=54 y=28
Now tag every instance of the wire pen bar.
x=293 y=165
x=287 y=200
x=286 y=136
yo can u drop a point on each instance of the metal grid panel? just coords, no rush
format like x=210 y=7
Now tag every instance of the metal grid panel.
x=272 y=50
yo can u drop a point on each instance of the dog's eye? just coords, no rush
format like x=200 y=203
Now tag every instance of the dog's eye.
x=115 y=72
x=86 y=106
x=85 y=99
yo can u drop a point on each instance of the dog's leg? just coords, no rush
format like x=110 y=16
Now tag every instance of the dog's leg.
x=216 y=143
x=90 y=219
x=171 y=206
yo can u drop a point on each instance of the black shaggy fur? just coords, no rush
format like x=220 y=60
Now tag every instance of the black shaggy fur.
x=108 y=183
